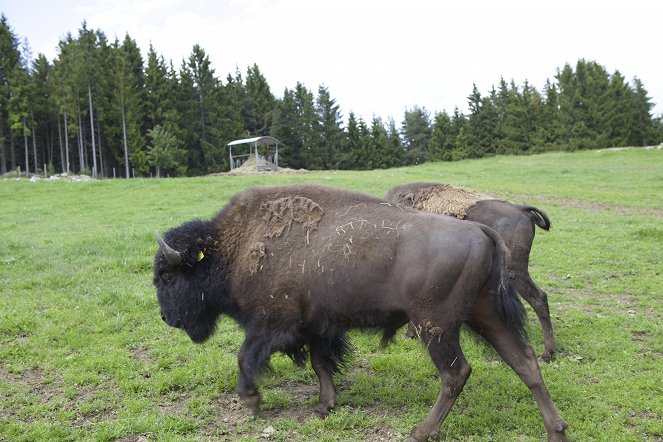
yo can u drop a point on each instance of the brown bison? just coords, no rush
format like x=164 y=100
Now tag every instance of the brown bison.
x=298 y=266
x=515 y=223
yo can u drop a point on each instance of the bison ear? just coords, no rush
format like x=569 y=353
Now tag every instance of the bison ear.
x=198 y=250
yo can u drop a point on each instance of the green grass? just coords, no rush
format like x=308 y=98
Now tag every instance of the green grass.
x=84 y=354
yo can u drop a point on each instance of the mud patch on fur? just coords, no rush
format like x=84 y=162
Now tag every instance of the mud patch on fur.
x=442 y=200
x=256 y=253
x=279 y=215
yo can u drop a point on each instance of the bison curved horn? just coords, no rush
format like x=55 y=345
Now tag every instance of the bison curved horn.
x=173 y=256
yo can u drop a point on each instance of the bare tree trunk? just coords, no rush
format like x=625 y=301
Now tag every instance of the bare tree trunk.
x=101 y=150
x=12 y=151
x=3 y=155
x=66 y=143
x=27 y=157
x=124 y=133
x=34 y=148
x=61 y=146
x=81 y=153
x=94 y=149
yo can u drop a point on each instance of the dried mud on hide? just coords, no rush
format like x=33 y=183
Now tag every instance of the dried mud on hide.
x=279 y=214
x=256 y=252
x=443 y=200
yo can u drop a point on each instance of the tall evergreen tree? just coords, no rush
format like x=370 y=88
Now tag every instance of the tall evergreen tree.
x=210 y=130
x=330 y=133
x=642 y=133
x=9 y=68
x=617 y=113
x=394 y=145
x=416 y=131
x=129 y=110
x=41 y=109
x=284 y=128
x=441 y=142
x=259 y=103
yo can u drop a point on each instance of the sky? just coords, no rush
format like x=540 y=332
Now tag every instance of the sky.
x=377 y=58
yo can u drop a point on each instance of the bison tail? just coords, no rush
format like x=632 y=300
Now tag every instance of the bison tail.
x=509 y=305
x=538 y=217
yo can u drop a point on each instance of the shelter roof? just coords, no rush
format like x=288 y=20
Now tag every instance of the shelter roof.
x=258 y=141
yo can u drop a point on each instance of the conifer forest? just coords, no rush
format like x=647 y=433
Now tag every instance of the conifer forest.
x=100 y=108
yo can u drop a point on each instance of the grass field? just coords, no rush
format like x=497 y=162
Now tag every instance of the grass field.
x=84 y=354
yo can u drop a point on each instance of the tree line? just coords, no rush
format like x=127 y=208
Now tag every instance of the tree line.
x=99 y=108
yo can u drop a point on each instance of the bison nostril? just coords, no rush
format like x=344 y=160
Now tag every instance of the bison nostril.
x=163 y=318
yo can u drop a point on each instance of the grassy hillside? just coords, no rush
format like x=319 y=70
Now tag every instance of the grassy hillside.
x=84 y=354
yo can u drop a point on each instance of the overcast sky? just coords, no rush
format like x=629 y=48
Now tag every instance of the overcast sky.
x=376 y=57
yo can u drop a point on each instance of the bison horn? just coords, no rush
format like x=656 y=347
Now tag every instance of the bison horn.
x=173 y=257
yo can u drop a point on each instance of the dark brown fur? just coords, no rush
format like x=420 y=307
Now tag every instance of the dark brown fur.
x=516 y=224
x=297 y=266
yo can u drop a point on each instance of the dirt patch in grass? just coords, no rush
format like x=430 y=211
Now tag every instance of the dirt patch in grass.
x=141 y=355
x=592 y=206
x=36 y=384
x=233 y=420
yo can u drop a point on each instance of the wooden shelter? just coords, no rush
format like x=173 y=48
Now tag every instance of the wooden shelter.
x=264 y=149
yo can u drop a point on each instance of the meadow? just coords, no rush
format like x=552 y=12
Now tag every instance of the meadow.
x=84 y=354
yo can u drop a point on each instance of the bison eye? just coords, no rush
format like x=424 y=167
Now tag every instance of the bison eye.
x=167 y=277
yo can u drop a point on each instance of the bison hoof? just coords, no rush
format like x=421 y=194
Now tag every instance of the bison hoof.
x=547 y=356
x=417 y=435
x=322 y=410
x=251 y=401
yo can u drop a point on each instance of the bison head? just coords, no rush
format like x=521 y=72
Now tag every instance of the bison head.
x=188 y=277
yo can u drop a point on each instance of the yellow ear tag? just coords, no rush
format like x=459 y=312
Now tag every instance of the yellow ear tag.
x=200 y=256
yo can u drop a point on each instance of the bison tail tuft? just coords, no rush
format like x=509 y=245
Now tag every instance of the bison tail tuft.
x=510 y=307
x=538 y=217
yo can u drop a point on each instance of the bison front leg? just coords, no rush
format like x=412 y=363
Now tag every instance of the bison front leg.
x=327 y=354
x=253 y=355
x=444 y=349
x=327 y=399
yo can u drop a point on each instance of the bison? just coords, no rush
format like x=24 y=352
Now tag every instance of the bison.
x=298 y=266
x=514 y=222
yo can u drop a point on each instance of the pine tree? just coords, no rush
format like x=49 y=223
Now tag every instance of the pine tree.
x=394 y=145
x=129 y=110
x=165 y=152
x=362 y=145
x=259 y=103
x=549 y=132
x=9 y=64
x=618 y=113
x=416 y=130
x=41 y=109
x=643 y=130
x=311 y=152
x=354 y=140
x=329 y=133
x=18 y=107
x=441 y=142
x=378 y=147
x=284 y=128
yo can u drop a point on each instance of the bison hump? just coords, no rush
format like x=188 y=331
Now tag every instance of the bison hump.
x=443 y=200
